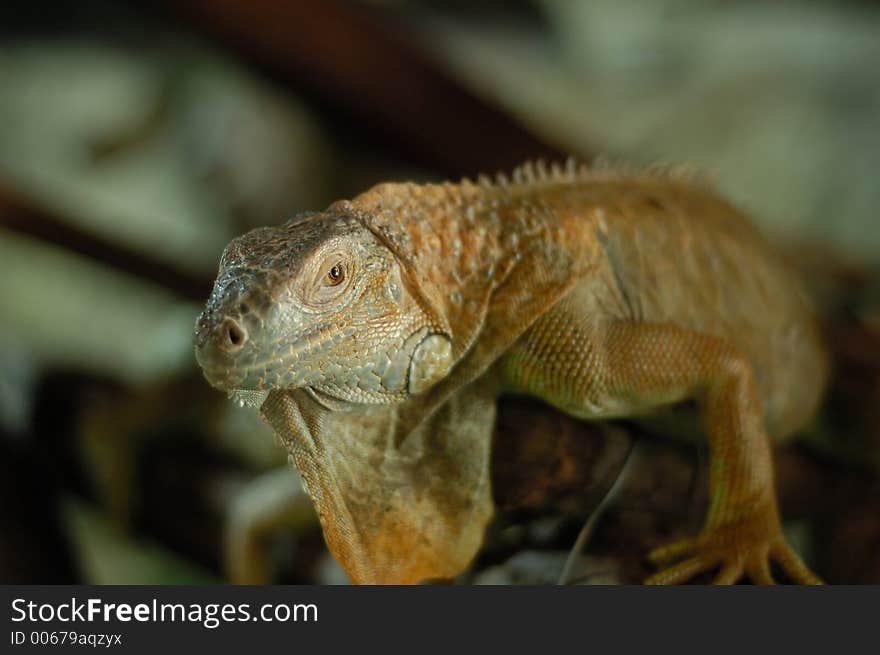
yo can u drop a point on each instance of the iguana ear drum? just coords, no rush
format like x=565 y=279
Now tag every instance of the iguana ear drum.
x=430 y=362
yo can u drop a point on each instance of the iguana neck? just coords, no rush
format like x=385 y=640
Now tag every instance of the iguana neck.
x=456 y=242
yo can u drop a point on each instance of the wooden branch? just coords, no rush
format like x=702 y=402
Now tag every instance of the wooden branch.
x=27 y=216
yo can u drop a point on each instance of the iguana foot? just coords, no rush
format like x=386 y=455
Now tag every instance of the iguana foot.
x=733 y=555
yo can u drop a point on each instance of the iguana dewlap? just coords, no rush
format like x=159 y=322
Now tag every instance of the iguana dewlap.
x=379 y=333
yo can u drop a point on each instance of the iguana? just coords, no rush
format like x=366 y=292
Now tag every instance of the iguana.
x=378 y=334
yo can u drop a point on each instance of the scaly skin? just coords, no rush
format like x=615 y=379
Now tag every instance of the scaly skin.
x=378 y=335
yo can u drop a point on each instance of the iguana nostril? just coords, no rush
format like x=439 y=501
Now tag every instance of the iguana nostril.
x=232 y=336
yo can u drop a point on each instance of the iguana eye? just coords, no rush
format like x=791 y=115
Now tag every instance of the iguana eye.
x=336 y=274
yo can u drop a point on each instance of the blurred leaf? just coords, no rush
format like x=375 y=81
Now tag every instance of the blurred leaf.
x=106 y=556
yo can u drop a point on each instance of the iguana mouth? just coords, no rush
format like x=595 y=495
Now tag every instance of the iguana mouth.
x=221 y=377
x=248 y=397
x=326 y=400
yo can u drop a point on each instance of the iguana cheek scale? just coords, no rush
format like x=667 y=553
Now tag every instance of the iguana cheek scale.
x=605 y=293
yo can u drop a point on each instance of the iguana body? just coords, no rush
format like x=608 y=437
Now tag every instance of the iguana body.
x=605 y=294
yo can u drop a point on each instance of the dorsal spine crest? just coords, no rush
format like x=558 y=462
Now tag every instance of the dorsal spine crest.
x=573 y=170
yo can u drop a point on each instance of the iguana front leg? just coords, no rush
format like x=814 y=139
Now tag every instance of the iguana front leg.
x=626 y=369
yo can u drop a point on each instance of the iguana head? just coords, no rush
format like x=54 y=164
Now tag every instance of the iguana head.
x=319 y=303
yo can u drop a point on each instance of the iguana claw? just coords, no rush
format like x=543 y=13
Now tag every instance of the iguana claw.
x=733 y=558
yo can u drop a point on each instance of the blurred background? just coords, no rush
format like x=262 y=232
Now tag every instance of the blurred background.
x=137 y=138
